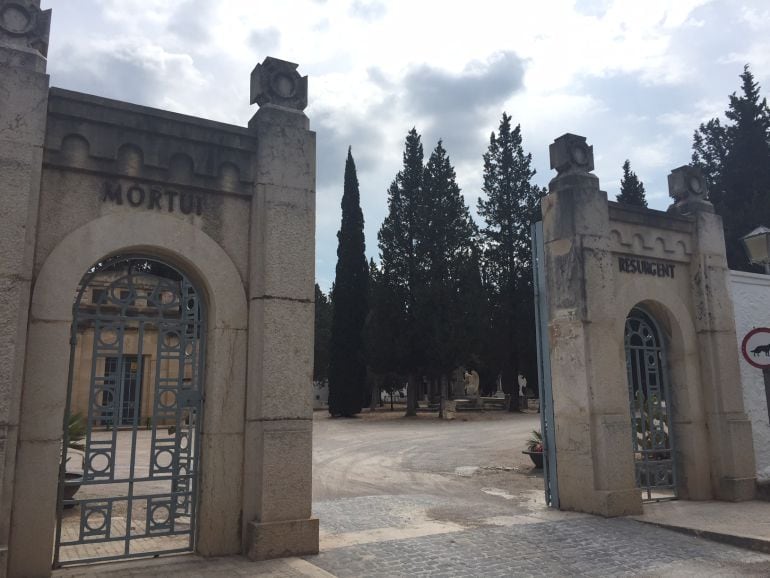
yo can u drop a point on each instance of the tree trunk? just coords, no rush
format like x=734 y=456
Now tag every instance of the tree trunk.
x=444 y=385
x=511 y=385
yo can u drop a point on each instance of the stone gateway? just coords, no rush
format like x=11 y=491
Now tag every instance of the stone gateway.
x=647 y=402
x=156 y=320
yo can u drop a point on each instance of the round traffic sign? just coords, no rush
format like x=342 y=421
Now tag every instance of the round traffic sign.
x=756 y=347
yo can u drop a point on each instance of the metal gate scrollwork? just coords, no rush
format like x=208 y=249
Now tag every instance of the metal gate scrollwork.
x=128 y=488
x=649 y=397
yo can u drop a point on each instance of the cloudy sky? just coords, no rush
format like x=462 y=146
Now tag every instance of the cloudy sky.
x=635 y=77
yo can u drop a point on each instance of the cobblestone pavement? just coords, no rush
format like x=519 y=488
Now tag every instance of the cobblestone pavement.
x=422 y=497
x=507 y=543
x=429 y=498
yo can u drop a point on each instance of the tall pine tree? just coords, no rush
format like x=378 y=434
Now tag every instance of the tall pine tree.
x=511 y=205
x=400 y=266
x=736 y=160
x=709 y=153
x=631 y=188
x=444 y=247
x=473 y=306
x=347 y=356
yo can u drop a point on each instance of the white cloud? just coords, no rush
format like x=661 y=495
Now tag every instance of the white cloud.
x=636 y=78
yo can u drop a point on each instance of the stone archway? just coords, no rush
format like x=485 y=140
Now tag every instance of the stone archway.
x=47 y=361
x=129 y=486
x=687 y=398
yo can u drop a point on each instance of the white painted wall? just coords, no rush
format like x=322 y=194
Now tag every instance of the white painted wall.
x=751 y=300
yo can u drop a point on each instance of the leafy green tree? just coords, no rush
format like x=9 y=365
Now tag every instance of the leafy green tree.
x=323 y=329
x=631 y=188
x=347 y=363
x=736 y=160
x=384 y=347
x=473 y=310
x=444 y=247
x=511 y=205
x=400 y=266
x=709 y=153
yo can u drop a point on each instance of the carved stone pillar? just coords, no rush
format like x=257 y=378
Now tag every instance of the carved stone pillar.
x=595 y=465
x=23 y=107
x=729 y=429
x=279 y=412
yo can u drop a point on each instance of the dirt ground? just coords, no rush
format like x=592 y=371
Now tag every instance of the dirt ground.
x=385 y=453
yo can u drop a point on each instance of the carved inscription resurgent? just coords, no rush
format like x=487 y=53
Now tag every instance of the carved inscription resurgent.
x=153 y=197
x=645 y=267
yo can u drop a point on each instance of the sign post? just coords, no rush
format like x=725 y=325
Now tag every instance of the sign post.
x=756 y=351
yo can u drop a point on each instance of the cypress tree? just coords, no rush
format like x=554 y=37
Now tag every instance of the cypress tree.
x=709 y=153
x=347 y=361
x=400 y=268
x=736 y=160
x=473 y=316
x=512 y=204
x=631 y=188
x=444 y=246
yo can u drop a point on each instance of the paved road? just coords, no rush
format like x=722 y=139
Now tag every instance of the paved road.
x=423 y=497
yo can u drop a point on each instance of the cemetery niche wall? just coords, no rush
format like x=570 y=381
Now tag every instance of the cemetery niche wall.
x=157 y=278
x=645 y=378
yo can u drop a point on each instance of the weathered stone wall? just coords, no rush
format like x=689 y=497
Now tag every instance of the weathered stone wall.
x=751 y=297
x=108 y=157
x=601 y=260
x=86 y=178
x=23 y=101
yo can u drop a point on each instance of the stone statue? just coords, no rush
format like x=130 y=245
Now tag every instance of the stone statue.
x=499 y=393
x=472 y=384
x=522 y=384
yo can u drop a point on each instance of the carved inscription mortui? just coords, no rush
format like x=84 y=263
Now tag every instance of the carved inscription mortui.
x=153 y=197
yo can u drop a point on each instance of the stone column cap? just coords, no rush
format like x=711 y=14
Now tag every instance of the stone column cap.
x=688 y=187
x=570 y=153
x=24 y=26
x=277 y=82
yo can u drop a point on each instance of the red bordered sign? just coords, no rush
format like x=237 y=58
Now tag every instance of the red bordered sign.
x=756 y=347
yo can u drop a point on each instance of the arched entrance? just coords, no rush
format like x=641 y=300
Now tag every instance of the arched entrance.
x=650 y=403
x=128 y=482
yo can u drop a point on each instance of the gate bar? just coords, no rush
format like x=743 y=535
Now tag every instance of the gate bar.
x=547 y=423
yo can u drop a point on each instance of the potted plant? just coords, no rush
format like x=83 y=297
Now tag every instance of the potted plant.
x=535 y=448
x=73 y=475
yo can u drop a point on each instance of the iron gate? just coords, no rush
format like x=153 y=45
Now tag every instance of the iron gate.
x=547 y=423
x=128 y=488
x=650 y=407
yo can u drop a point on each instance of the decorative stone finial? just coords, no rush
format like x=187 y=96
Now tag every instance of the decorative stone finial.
x=278 y=82
x=571 y=154
x=23 y=23
x=687 y=186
